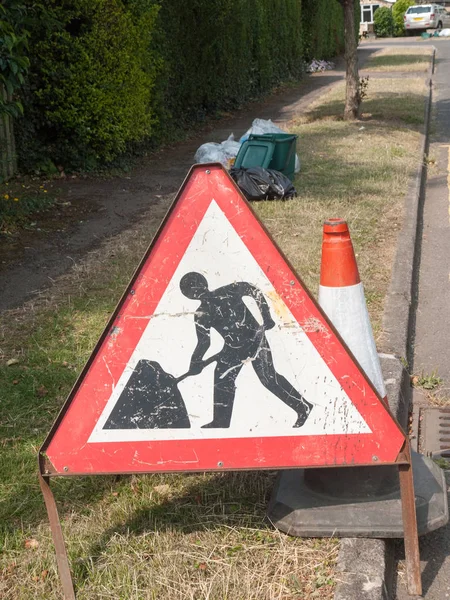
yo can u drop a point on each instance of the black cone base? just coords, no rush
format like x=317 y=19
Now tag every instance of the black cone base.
x=299 y=510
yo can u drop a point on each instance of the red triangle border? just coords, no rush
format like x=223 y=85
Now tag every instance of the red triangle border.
x=66 y=446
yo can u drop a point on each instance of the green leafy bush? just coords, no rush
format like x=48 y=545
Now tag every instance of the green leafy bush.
x=383 y=22
x=398 y=12
x=90 y=84
x=13 y=60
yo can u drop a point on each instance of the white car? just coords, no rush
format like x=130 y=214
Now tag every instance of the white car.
x=426 y=16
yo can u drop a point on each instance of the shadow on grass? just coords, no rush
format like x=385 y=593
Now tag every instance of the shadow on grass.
x=224 y=500
x=397 y=60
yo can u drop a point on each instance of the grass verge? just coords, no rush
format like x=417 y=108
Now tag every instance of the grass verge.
x=190 y=536
x=399 y=59
x=358 y=171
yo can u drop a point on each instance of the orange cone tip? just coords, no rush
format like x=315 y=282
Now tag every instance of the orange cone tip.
x=339 y=266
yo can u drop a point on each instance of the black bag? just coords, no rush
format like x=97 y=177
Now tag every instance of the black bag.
x=257 y=183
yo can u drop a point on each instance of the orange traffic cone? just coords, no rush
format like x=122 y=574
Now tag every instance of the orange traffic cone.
x=341 y=296
x=317 y=502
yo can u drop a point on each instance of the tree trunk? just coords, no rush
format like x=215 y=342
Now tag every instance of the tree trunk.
x=352 y=94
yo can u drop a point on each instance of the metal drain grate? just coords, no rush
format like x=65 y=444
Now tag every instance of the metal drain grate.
x=435 y=432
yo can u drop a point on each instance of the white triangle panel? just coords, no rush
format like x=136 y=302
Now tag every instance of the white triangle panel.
x=217 y=252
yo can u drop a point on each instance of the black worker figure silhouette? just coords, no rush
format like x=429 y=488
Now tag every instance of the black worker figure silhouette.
x=244 y=341
x=151 y=398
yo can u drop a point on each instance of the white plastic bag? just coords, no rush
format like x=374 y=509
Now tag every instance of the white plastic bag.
x=317 y=66
x=213 y=152
x=260 y=127
x=230 y=147
x=444 y=33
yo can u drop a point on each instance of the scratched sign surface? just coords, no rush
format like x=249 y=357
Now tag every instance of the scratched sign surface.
x=218 y=358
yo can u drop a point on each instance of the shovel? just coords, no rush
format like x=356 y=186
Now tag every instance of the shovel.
x=151 y=400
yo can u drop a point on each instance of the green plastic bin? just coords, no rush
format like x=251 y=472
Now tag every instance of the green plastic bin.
x=255 y=153
x=269 y=151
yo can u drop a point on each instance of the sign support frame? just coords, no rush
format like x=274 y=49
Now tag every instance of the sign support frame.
x=47 y=471
x=411 y=538
x=62 y=559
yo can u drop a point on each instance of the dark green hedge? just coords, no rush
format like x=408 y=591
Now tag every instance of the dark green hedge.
x=219 y=53
x=105 y=73
x=323 y=28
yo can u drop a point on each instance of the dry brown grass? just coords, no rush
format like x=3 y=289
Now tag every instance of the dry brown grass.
x=439 y=398
x=395 y=102
x=173 y=537
x=358 y=171
x=408 y=60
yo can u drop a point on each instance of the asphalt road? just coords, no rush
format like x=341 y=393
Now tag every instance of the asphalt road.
x=432 y=327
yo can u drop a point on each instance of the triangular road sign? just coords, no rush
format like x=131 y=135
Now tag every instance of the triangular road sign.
x=217 y=357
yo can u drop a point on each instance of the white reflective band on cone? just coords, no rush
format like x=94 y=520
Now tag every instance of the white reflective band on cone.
x=346 y=308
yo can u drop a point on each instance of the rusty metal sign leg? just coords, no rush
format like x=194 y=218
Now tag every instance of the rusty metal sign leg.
x=413 y=577
x=58 y=540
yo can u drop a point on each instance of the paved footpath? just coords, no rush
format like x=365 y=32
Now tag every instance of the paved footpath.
x=432 y=331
